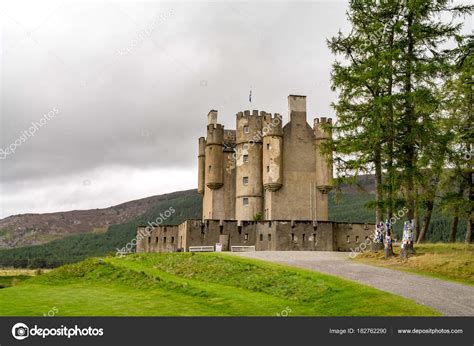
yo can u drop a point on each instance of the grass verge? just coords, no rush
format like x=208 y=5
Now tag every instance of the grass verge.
x=447 y=261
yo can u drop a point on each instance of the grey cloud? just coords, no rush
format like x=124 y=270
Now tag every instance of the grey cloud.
x=146 y=108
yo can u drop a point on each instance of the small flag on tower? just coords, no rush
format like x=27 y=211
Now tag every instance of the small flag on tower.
x=250 y=96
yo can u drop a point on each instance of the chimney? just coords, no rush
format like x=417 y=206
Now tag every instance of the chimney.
x=212 y=117
x=297 y=108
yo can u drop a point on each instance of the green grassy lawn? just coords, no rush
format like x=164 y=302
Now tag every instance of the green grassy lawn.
x=183 y=284
x=448 y=261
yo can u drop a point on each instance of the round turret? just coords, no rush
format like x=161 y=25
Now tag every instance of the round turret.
x=272 y=152
x=214 y=156
x=201 y=164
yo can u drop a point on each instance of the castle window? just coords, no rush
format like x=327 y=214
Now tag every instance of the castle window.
x=245 y=180
x=156 y=240
x=268 y=169
x=314 y=237
x=239 y=229
x=357 y=238
x=245 y=201
x=303 y=237
x=246 y=129
x=366 y=237
x=172 y=240
x=149 y=240
x=246 y=158
x=269 y=237
x=261 y=237
x=210 y=167
x=348 y=238
x=164 y=240
x=246 y=236
x=292 y=237
x=268 y=146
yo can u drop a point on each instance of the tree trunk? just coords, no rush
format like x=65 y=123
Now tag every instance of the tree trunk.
x=426 y=221
x=454 y=228
x=378 y=186
x=391 y=181
x=417 y=218
x=410 y=122
x=468 y=238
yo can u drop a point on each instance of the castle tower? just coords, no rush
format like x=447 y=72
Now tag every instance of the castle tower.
x=323 y=168
x=272 y=160
x=201 y=165
x=272 y=132
x=248 y=183
x=214 y=169
x=214 y=156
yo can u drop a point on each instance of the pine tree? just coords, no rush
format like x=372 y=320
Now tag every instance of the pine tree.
x=363 y=80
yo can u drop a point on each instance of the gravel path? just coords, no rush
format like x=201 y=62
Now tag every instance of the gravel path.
x=449 y=298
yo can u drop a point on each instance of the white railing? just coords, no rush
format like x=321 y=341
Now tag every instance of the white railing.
x=242 y=248
x=201 y=248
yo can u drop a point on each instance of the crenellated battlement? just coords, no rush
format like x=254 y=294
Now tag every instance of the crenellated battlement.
x=320 y=130
x=215 y=134
x=247 y=113
x=322 y=120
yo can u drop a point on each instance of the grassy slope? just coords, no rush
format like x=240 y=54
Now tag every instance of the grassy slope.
x=445 y=261
x=196 y=285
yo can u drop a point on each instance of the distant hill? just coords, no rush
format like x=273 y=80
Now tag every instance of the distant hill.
x=35 y=229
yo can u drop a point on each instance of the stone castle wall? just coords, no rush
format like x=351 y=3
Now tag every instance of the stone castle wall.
x=264 y=235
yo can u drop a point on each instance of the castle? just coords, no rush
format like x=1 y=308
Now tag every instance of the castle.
x=264 y=186
x=264 y=170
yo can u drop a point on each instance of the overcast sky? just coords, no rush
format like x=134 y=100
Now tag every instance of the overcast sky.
x=129 y=86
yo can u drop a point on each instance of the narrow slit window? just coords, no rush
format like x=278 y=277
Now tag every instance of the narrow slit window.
x=246 y=158
x=245 y=201
x=245 y=180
